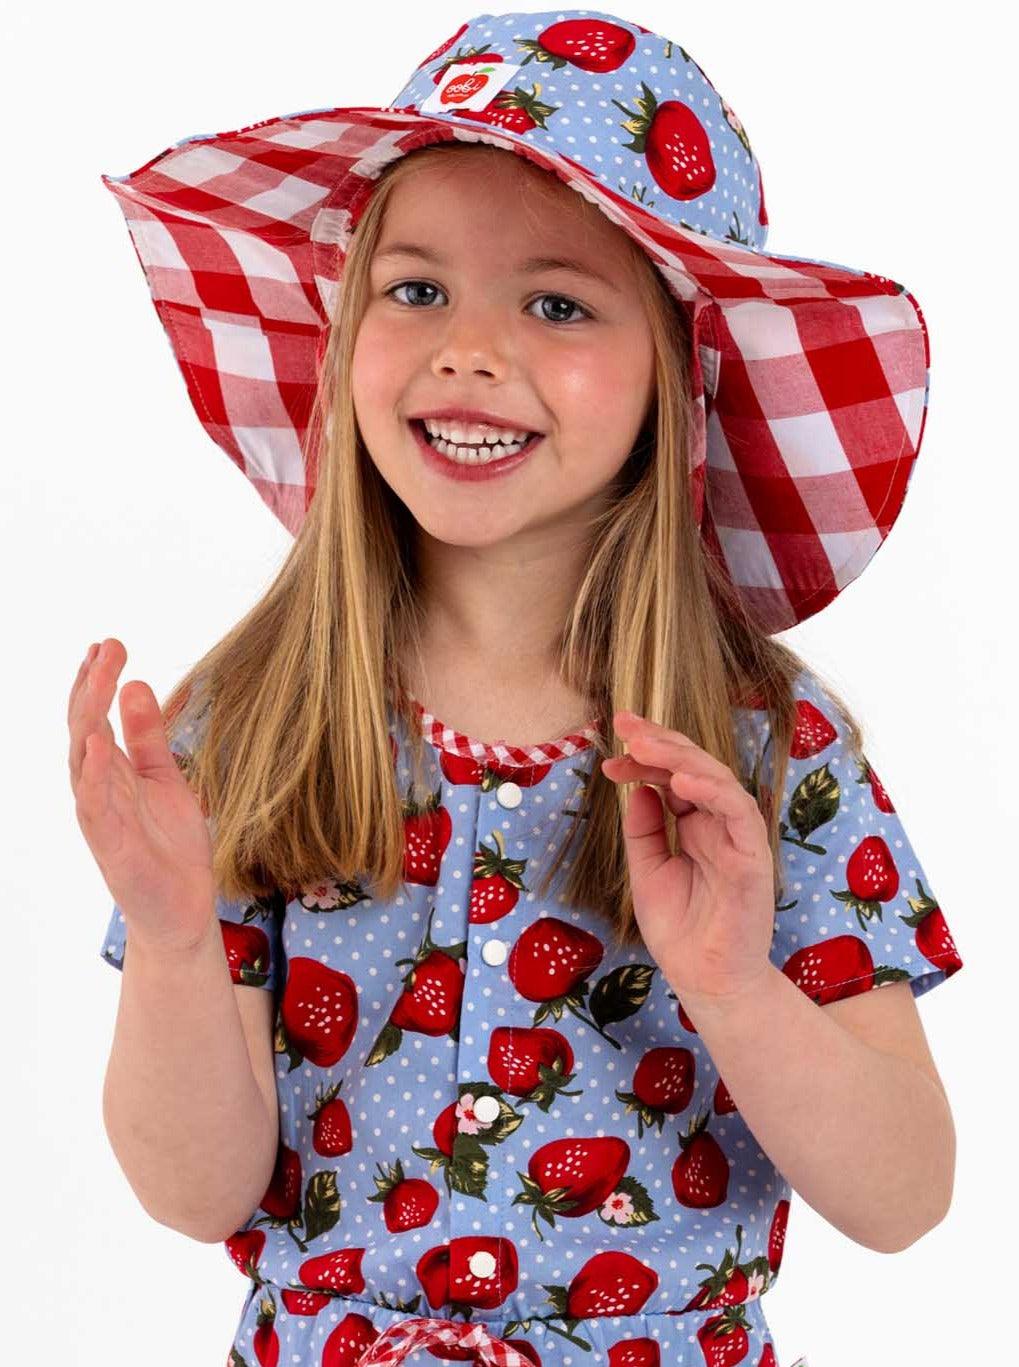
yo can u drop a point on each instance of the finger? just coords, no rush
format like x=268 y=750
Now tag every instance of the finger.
x=90 y=706
x=626 y=769
x=713 y=787
x=144 y=732
x=79 y=679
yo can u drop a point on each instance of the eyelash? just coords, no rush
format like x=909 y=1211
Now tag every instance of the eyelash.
x=548 y=294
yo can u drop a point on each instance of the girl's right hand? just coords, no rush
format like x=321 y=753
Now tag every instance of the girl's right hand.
x=141 y=821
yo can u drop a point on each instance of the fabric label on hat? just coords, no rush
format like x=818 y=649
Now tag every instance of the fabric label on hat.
x=469 y=85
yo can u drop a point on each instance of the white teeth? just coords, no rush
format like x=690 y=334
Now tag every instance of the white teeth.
x=482 y=454
x=473 y=434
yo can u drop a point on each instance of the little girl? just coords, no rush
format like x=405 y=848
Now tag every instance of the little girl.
x=548 y=1030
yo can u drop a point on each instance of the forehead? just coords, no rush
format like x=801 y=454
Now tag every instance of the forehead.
x=477 y=195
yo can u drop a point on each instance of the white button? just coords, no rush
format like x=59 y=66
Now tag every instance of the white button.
x=486 y=1108
x=493 y=951
x=508 y=794
x=482 y=1264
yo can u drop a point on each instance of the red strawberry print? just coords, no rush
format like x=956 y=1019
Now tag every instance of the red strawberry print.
x=723 y=1339
x=461 y=58
x=663 y=1084
x=265 y=1341
x=673 y=142
x=349 y=1341
x=496 y=884
x=443 y=47
x=298 y=1302
x=338 y=1273
x=519 y=111
x=282 y=1199
x=426 y=831
x=318 y=1012
x=776 y=1235
x=551 y=958
x=610 y=1283
x=684 y=1019
x=245 y=1248
x=641 y=1352
x=462 y=1287
x=330 y=1136
x=430 y=1001
x=836 y=968
x=571 y=1176
x=533 y=1062
x=700 y=1174
x=723 y=1103
x=768 y=1358
x=731 y=1282
x=872 y=878
x=247 y=953
x=589 y=44
x=877 y=789
x=407 y=1202
x=933 y=938
x=762 y=218
x=812 y=733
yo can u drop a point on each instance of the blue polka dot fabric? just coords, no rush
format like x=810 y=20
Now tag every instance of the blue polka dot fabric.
x=489 y=1114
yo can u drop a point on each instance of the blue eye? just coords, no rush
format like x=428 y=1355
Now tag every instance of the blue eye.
x=407 y=284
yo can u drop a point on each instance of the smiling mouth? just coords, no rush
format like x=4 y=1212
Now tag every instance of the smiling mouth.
x=482 y=454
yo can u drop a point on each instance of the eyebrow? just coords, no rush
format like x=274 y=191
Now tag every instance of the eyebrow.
x=530 y=266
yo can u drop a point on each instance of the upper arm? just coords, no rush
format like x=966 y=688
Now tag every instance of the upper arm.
x=887 y=1019
x=256 y=1007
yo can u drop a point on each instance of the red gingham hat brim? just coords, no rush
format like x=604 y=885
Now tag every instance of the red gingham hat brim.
x=810 y=379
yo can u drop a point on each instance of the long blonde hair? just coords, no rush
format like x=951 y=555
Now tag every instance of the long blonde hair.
x=295 y=762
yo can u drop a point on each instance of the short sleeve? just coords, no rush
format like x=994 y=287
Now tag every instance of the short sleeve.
x=251 y=928
x=856 y=909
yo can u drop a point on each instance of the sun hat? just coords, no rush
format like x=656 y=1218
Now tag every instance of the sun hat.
x=809 y=379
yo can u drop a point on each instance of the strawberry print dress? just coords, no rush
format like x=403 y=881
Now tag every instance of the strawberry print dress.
x=501 y=1141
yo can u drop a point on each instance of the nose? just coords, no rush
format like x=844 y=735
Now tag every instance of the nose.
x=397 y=1342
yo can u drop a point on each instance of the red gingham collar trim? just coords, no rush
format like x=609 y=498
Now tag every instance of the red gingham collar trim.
x=444 y=737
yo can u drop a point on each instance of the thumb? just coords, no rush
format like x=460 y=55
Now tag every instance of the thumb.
x=144 y=736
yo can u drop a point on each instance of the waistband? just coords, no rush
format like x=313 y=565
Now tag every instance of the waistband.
x=422 y=1331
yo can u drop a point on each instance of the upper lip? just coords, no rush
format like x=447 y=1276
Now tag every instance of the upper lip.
x=475 y=415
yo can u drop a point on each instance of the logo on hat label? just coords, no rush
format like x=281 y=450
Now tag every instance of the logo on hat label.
x=469 y=85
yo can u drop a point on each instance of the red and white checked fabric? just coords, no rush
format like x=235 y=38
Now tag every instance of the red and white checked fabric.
x=396 y=1343
x=809 y=379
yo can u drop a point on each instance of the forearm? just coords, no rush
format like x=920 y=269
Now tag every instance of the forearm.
x=866 y=1138
x=181 y=1105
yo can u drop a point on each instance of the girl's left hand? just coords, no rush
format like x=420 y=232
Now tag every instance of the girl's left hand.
x=707 y=913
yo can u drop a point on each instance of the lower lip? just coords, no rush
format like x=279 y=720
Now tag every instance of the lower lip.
x=453 y=470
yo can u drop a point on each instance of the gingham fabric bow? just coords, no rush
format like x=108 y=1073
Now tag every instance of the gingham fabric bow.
x=397 y=1343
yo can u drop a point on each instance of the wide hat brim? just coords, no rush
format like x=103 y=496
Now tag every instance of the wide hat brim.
x=810 y=379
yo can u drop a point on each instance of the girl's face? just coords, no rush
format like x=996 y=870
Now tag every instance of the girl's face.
x=548 y=349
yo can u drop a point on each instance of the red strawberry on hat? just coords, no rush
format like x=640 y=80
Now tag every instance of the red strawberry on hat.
x=590 y=44
x=518 y=111
x=673 y=142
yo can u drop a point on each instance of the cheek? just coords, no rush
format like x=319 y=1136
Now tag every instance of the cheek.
x=374 y=376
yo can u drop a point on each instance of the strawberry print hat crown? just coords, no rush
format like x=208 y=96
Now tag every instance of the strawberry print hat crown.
x=810 y=379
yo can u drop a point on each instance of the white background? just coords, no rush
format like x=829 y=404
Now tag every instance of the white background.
x=886 y=144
